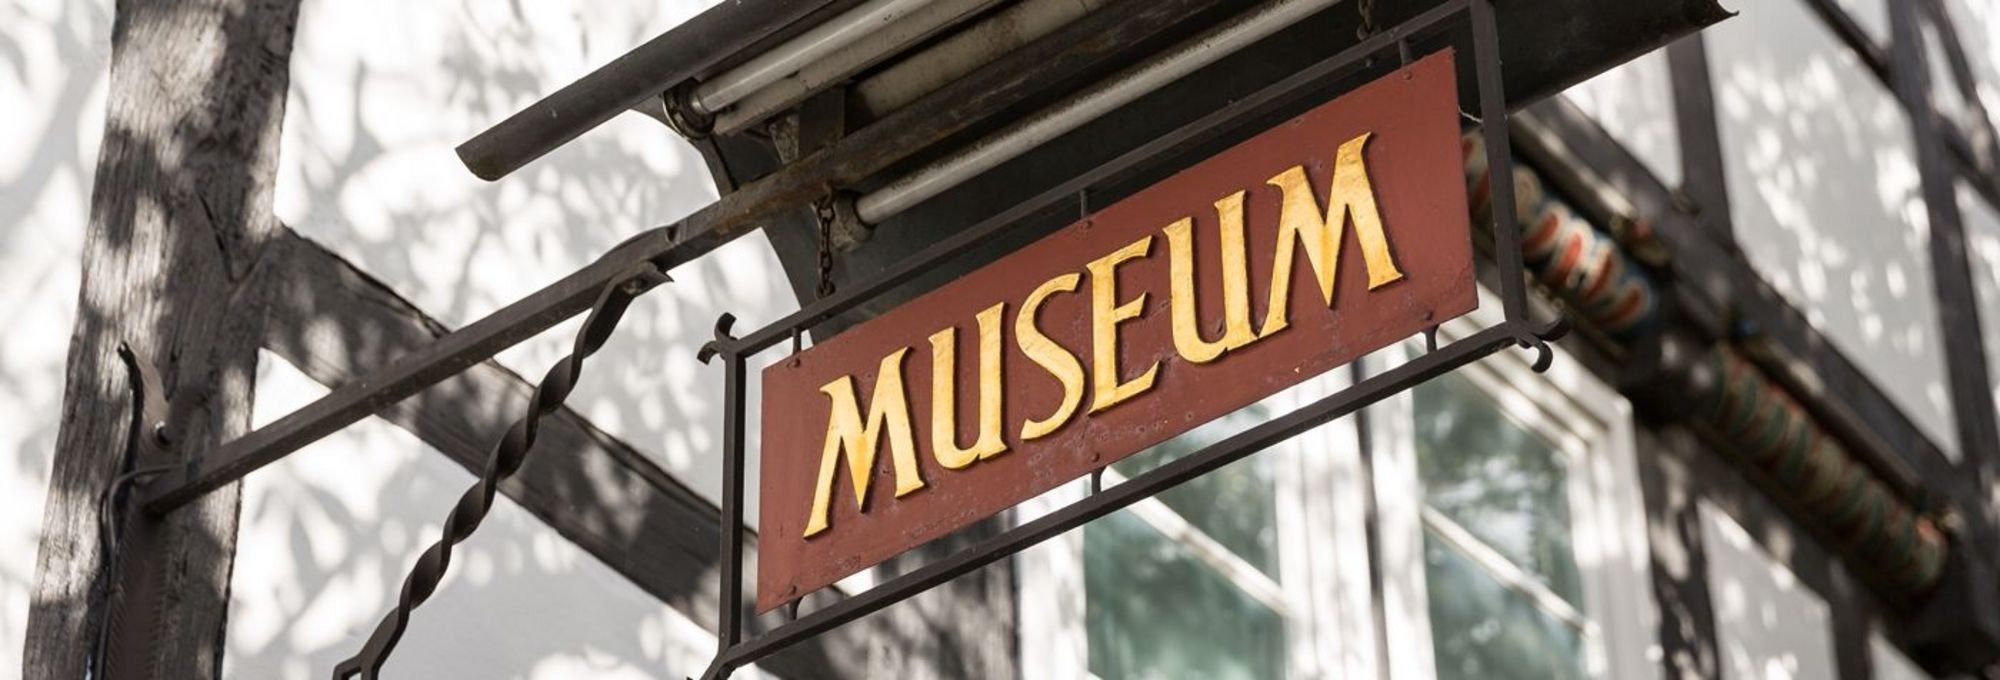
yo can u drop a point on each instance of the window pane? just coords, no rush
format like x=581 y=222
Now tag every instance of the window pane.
x=1236 y=505
x=1154 y=611
x=1481 y=630
x=1504 y=484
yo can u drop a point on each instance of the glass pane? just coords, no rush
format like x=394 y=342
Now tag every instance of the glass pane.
x=1503 y=483
x=1481 y=630
x=1153 y=611
x=1236 y=505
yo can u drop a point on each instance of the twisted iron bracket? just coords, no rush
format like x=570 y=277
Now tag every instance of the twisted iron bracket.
x=507 y=456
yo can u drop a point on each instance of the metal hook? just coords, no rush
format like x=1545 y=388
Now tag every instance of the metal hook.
x=1538 y=340
x=723 y=338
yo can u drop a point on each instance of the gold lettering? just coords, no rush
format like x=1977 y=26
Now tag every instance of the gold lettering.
x=889 y=410
x=1235 y=285
x=1323 y=233
x=1105 y=314
x=1050 y=356
x=944 y=393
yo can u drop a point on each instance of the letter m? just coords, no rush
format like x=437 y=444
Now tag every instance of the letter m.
x=888 y=411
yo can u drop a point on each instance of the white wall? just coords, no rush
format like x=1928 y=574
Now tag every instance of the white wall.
x=1824 y=191
x=1634 y=102
x=381 y=92
x=1889 y=662
x=1978 y=23
x=329 y=532
x=1768 y=626
x=54 y=56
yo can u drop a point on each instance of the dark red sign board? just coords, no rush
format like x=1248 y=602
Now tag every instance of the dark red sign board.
x=1399 y=135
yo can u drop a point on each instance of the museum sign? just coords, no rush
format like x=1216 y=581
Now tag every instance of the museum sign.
x=1328 y=236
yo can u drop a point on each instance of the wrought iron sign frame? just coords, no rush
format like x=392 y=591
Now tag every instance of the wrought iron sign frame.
x=1515 y=329
x=634 y=267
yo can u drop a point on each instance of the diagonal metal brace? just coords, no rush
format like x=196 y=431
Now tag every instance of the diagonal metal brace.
x=508 y=455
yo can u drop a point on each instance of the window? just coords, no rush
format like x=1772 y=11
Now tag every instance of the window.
x=1510 y=525
x=1257 y=570
x=1507 y=514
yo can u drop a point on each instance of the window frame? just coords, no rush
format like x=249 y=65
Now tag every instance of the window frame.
x=1322 y=576
x=1591 y=425
x=1328 y=556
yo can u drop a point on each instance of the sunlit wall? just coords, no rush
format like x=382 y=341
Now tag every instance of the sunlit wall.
x=381 y=92
x=1825 y=195
x=54 y=57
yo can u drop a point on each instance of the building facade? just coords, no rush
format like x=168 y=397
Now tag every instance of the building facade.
x=1767 y=450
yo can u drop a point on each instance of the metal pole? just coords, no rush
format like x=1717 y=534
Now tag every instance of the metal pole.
x=729 y=606
x=1075 y=111
x=716 y=94
x=842 y=64
x=667 y=60
x=1499 y=160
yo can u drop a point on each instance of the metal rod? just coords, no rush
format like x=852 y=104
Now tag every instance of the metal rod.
x=1185 y=136
x=1017 y=24
x=729 y=608
x=1208 y=459
x=1131 y=84
x=1499 y=160
x=447 y=356
x=669 y=59
x=841 y=64
x=733 y=85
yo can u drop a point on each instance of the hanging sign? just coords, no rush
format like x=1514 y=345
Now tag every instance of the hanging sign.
x=1328 y=236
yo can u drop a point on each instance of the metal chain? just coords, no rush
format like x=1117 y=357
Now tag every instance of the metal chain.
x=823 y=211
x=507 y=456
x=1367 y=10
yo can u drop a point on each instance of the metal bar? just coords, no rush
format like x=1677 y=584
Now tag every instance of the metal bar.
x=1499 y=160
x=508 y=454
x=661 y=63
x=729 y=610
x=1149 y=484
x=842 y=64
x=1193 y=133
x=735 y=84
x=1008 y=28
x=855 y=157
x=1130 y=84
x=446 y=357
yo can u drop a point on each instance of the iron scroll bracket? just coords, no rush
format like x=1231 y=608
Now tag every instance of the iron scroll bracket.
x=507 y=456
x=1515 y=329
